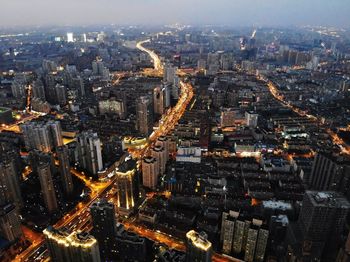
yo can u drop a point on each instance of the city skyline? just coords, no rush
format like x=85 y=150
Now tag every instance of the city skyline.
x=178 y=131
x=156 y=12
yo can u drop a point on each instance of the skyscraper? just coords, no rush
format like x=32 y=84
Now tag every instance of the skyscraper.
x=43 y=136
x=150 y=172
x=130 y=246
x=144 y=115
x=165 y=143
x=251 y=243
x=330 y=172
x=127 y=185
x=9 y=182
x=10 y=225
x=61 y=94
x=240 y=235
x=89 y=152
x=64 y=168
x=158 y=101
x=49 y=66
x=104 y=228
x=99 y=69
x=198 y=248
x=47 y=186
x=166 y=90
x=37 y=136
x=256 y=242
x=169 y=73
x=227 y=231
x=77 y=246
x=175 y=90
x=70 y=37
x=159 y=153
x=39 y=90
x=318 y=231
x=18 y=89
x=260 y=248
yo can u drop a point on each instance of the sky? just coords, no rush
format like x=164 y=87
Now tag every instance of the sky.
x=160 y=12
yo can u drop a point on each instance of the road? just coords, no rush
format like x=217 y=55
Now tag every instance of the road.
x=165 y=127
x=79 y=218
x=16 y=126
x=173 y=115
x=157 y=64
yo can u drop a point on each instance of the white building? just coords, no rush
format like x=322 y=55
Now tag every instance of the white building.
x=189 y=154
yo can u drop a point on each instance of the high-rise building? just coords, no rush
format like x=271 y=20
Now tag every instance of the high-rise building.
x=48 y=66
x=198 y=248
x=251 y=119
x=37 y=136
x=10 y=225
x=251 y=243
x=99 y=69
x=127 y=186
x=47 y=186
x=104 y=228
x=78 y=84
x=239 y=235
x=159 y=153
x=39 y=90
x=227 y=231
x=317 y=234
x=6 y=116
x=166 y=90
x=330 y=172
x=42 y=136
x=61 y=94
x=228 y=227
x=55 y=133
x=278 y=230
x=175 y=88
x=165 y=143
x=150 y=172
x=144 y=115
x=260 y=248
x=65 y=246
x=89 y=152
x=70 y=37
x=64 y=168
x=169 y=73
x=36 y=157
x=158 y=101
x=18 y=89
x=130 y=246
x=9 y=182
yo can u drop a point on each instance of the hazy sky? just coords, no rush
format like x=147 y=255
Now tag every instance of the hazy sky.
x=156 y=12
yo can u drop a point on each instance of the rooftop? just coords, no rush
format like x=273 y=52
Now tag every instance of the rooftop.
x=199 y=240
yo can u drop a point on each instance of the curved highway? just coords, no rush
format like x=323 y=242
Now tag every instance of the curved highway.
x=79 y=218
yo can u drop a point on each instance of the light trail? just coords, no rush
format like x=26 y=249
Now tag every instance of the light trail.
x=79 y=218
